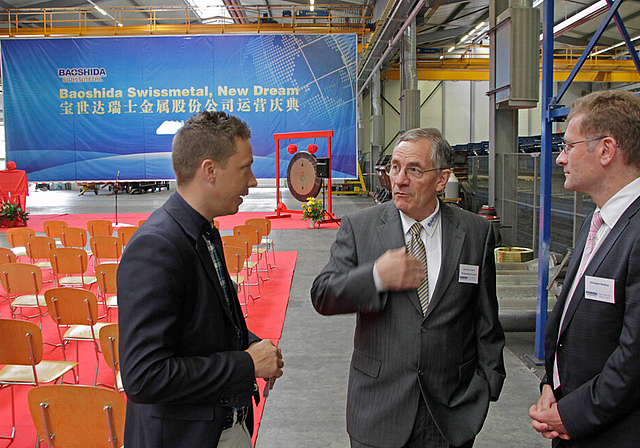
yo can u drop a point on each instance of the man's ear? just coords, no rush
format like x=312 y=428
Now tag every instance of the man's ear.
x=608 y=150
x=208 y=170
x=443 y=178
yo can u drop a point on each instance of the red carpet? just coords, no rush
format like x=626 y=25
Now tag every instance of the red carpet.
x=266 y=318
x=226 y=222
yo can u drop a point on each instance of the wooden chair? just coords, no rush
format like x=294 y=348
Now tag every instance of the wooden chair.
x=109 y=344
x=75 y=237
x=16 y=238
x=216 y=224
x=77 y=309
x=69 y=267
x=21 y=354
x=38 y=248
x=23 y=283
x=100 y=227
x=249 y=266
x=7 y=256
x=265 y=225
x=54 y=228
x=234 y=257
x=125 y=234
x=105 y=248
x=255 y=234
x=141 y=222
x=78 y=416
x=106 y=274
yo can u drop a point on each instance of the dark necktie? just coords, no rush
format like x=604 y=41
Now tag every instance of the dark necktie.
x=214 y=244
x=211 y=238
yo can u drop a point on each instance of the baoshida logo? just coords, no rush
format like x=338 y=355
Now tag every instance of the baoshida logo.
x=89 y=74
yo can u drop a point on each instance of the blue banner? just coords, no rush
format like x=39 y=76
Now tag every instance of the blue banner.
x=85 y=109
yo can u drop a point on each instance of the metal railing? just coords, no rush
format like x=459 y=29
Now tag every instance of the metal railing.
x=140 y=20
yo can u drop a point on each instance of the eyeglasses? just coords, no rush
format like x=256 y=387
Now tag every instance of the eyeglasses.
x=567 y=147
x=411 y=172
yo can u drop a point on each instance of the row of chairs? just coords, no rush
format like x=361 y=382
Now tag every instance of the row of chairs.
x=74 y=311
x=248 y=240
x=23 y=282
x=74 y=237
x=22 y=351
x=58 y=410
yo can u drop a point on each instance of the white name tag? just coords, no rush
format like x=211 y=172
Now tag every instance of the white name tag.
x=469 y=273
x=599 y=288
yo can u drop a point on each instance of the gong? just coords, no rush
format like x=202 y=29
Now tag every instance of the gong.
x=302 y=176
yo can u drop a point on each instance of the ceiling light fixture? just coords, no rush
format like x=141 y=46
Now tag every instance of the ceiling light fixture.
x=580 y=17
x=312 y=2
x=595 y=53
x=451 y=49
x=104 y=13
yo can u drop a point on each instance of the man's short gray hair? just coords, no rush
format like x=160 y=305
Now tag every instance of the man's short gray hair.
x=441 y=153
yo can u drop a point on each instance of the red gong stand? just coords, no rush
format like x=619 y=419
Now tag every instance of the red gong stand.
x=281 y=209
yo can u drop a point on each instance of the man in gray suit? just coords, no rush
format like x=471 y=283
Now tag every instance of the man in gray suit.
x=591 y=391
x=420 y=275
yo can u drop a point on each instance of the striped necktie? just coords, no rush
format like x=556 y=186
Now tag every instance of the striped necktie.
x=416 y=249
x=210 y=239
x=213 y=240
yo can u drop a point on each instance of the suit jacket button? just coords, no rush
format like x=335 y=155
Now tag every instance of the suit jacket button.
x=420 y=372
x=422 y=329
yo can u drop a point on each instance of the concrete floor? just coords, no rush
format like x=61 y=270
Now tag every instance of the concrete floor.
x=307 y=406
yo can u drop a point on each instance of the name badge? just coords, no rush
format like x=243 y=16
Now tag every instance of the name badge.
x=469 y=273
x=599 y=288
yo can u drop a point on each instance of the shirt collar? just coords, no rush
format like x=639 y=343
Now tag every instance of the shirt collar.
x=613 y=209
x=200 y=221
x=430 y=223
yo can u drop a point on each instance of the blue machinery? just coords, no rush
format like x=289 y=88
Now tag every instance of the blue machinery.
x=552 y=111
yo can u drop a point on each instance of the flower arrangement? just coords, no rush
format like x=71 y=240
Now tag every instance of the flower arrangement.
x=313 y=210
x=11 y=213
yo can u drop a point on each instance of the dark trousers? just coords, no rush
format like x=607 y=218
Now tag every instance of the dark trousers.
x=425 y=433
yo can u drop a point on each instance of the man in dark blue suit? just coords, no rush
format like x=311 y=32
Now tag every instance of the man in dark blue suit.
x=188 y=362
x=591 y=390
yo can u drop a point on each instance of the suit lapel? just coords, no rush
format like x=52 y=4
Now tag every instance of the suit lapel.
x=597 y=259
x=205 y=258
x=572 y=271
x=452 y=241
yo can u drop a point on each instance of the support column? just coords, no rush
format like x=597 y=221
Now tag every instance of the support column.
x=503 y=139
x=410 y=97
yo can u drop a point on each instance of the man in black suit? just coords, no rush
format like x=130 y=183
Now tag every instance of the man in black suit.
x=188 y=362
x=428 y=344
x=591 y=390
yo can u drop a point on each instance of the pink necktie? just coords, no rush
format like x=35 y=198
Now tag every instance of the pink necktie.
x=596 y=223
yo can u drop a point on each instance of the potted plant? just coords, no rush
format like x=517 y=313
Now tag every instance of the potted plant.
x=10 y=212
x=23 y=215
x=313 y=211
